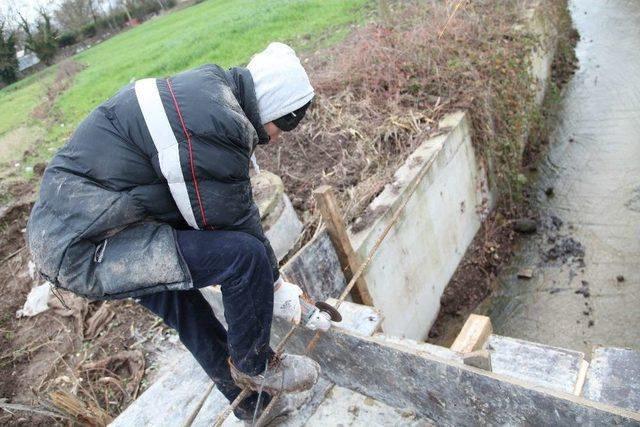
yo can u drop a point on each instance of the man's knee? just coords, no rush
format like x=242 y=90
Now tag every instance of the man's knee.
x=250 y=251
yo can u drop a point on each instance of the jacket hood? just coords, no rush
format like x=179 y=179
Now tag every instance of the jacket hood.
x=281 y=83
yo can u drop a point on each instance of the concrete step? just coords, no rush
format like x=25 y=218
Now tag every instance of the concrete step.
x=343 y=407
x=325 y=405
x=614 y=377
x=537 y=364
x=306 y=404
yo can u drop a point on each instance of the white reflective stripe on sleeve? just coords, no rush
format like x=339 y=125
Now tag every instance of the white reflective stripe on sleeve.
x=165 y=141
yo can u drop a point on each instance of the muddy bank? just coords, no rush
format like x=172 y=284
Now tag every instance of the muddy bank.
x=585 y=258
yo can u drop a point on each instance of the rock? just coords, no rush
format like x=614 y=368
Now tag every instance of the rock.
x=549 y=191
x=557 y=222
x=584 y=290
x=525 y=225
x=620 y=278
x=525 y=273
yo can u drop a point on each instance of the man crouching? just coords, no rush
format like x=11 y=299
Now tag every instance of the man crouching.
x=151 y=198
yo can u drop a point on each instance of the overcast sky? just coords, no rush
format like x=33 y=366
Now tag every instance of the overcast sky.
x=28 y=8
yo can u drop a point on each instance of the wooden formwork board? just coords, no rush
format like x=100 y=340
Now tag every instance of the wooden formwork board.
x=447 y=392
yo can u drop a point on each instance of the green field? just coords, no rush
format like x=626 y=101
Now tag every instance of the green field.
x=225 y=32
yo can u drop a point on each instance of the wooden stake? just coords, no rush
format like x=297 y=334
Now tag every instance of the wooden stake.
x=338 y=233
x=473 y=335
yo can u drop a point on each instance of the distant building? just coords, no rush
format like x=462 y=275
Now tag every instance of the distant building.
x=26 y=60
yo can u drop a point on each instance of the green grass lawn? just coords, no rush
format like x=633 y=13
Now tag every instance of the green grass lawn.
x=225 y=32
x=17 y=101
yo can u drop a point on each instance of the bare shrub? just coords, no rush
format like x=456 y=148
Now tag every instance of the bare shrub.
x=382 y=92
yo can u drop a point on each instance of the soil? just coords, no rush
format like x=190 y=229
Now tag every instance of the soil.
x=48 y=353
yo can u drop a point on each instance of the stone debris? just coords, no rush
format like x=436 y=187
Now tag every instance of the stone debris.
x=525 y=273
x=584 y=289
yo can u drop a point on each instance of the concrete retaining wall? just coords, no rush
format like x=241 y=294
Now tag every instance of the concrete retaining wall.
x=422 y=251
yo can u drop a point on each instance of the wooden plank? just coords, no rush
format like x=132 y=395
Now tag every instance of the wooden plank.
x=316 y=268
x=473 y=335
x=337 y=231
x=446 y=392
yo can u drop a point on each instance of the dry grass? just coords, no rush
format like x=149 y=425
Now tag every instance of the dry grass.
x=383 y=91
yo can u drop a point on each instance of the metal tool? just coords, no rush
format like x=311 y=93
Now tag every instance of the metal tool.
x=318 y=315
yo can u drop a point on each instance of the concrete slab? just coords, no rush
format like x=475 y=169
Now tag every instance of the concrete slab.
x=551 y=367
x=358 y=318
x=306 y=404
x=614 y=377
x=424 y=348
x=343 y=407
x=416 y=260
x=170 y=401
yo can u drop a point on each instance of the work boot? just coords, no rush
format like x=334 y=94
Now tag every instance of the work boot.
x=281 y=410
x=288 y=373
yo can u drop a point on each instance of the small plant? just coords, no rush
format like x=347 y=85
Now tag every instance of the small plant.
x=68 y=38
x=89 y=30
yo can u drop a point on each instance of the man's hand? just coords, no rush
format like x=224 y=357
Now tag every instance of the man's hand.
x=286 y=301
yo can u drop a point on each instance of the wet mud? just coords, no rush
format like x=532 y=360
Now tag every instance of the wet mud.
x=585 y=253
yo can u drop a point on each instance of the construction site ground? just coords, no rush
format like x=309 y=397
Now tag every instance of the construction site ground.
x=93 y=359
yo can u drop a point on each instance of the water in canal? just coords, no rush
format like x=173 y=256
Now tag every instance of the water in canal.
x=585 y=288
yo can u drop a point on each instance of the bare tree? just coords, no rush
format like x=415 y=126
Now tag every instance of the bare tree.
x=73 y=14
x=94 y=7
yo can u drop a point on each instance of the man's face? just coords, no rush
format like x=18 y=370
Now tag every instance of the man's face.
x=273 y=131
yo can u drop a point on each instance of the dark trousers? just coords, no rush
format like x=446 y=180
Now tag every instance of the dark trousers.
x=237 y=262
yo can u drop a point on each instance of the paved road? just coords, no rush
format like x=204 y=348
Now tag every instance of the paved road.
x=594 y=168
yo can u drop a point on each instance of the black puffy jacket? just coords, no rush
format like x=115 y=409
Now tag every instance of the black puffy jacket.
x=161 y=154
